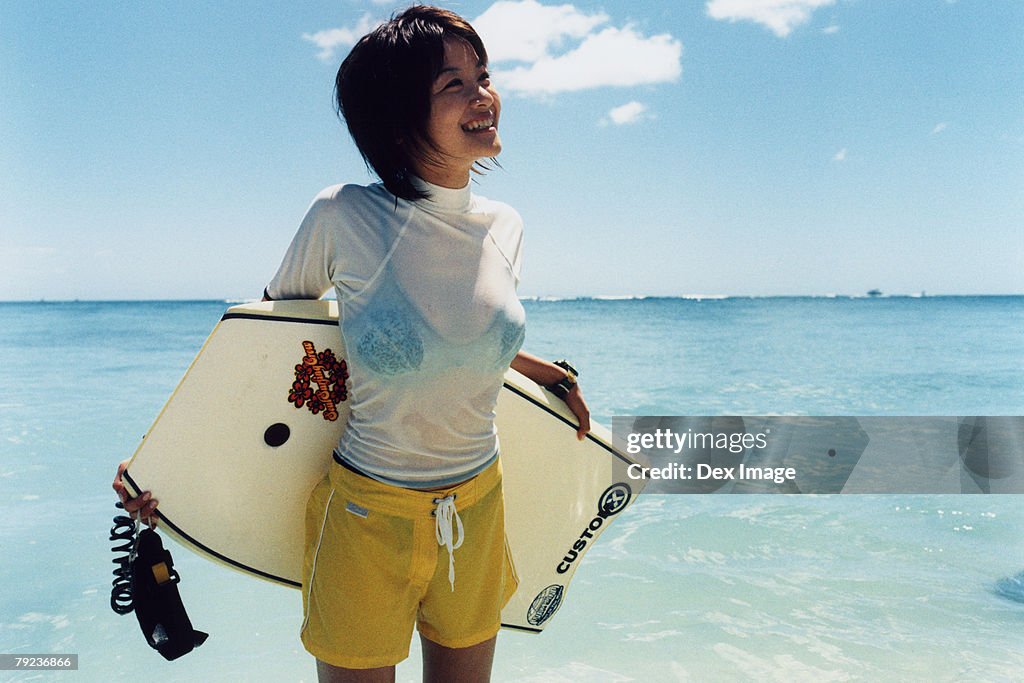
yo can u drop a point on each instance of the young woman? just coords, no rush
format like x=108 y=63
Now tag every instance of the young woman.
x=408 y=527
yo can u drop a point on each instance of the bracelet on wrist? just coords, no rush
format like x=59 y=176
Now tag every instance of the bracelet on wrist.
x=562 y=387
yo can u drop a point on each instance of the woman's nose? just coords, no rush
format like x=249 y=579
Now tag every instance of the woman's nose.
x=483 y=95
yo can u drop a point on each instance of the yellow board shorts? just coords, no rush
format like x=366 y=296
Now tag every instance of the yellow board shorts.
x=374 y=567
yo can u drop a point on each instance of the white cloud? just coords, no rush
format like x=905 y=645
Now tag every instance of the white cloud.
x=779 y=16
x=829 y=30
x=329 y=40
x=613 y=57
x=527 y=31
x=561 y=49
x=631 y=112
x=840 y=155
x=537 y=49
x=939 y=127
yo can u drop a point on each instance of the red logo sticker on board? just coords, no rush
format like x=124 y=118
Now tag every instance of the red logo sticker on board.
x=328 y=373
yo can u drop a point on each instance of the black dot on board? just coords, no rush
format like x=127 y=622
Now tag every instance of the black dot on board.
x=276 y=434
x=831 y=452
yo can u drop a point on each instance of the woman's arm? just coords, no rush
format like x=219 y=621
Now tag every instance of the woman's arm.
x=544 y=373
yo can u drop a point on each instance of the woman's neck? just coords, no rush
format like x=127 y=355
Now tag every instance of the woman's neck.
x=443 y=176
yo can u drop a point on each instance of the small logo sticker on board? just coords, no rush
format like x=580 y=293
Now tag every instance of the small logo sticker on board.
x=614 y=499
x=325 y=371
x=545 y=604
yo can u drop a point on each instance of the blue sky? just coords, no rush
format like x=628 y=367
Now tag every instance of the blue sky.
x=762 y=147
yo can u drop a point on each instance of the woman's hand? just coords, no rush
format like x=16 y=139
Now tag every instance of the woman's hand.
x=143 y=506
x=574 y=399
x=544 y=373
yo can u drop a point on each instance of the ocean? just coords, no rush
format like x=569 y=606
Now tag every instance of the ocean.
x=681 y=588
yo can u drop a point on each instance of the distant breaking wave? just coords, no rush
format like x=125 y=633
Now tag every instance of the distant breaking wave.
x=634 y=297
x=747 y=297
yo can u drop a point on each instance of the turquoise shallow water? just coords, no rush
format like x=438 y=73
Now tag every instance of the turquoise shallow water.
x=681 y=588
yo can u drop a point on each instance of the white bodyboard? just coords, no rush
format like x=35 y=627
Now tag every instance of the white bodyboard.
x=236 y=450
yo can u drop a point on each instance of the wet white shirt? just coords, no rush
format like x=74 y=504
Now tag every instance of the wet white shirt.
x=430 y=319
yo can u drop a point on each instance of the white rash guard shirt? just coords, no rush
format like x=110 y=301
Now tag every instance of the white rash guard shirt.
x=430 y=319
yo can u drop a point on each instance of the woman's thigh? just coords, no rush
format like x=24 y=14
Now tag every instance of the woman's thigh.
x=457 y=665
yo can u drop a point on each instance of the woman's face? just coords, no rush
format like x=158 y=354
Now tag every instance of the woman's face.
x=464 y=110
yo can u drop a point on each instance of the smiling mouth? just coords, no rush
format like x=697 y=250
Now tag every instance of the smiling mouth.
x=479 y=125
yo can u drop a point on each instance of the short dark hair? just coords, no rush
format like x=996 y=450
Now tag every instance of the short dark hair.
x=383 y=91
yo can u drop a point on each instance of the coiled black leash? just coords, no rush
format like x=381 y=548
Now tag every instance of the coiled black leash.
x=125 y=531
x=145 y=581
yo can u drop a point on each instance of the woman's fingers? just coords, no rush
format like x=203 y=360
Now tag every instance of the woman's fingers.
x=143 y=505
x=574 y=399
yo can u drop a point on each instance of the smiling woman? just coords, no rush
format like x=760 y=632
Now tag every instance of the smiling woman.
x=464 y=110
x=409 y=100
x=425 y=274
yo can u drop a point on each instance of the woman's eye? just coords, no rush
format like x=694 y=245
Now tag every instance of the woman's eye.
x=453 y=84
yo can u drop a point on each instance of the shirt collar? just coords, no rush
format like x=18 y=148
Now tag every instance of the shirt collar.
x=442 y=199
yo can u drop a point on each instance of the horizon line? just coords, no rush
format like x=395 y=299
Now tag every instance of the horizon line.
x=542 y=298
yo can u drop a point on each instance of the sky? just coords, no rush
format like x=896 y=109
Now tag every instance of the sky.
x=729 y=147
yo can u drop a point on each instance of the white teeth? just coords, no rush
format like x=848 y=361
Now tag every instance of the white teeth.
x=479 y=125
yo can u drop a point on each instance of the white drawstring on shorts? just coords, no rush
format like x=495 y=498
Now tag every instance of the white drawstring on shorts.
x=444 y=514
